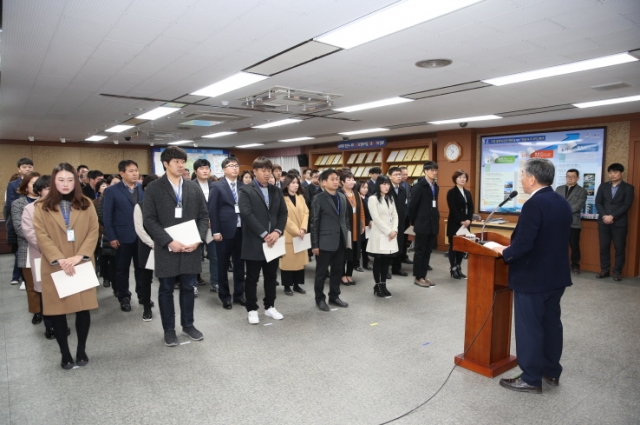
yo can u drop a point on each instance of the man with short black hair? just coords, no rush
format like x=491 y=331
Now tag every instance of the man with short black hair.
x=329 y=229
x=613 y=201
x=202 y=169
x=169 y=201
x=374 y=172
x=576 y=195
x=82 y=174
x=407 y=187
x=25 y=165
x=117 y=215
x=399 y=195
x=277 y=175
x=93 y=176
x=264 y=216
x=307 y=178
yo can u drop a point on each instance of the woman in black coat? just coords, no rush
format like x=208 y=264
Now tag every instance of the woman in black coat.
x=460 y=214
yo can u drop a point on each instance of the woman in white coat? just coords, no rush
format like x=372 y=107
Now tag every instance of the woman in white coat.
x=385 y=228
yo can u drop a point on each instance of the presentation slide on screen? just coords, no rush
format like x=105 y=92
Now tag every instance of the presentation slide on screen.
x=214 y=156
x=503 y=159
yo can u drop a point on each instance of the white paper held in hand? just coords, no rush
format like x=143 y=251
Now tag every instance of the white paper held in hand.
x=186 y=233
x=37 y=263
x=151 y=262
x=462 y=231
x=85 y=278
x=302 y=244
x=388 y=245
x=277 y=250
x=367 y=232
x=409 y=231
x=209 y=238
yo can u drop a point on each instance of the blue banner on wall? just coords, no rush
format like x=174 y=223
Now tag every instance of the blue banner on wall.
x=377 y=142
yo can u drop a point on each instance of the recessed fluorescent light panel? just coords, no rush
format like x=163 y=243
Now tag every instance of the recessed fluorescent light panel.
x=118 y=128
x=219 y=134
x=297 y=139
x=236 y=81
x=95 y=138
x=158 y=112
x=368 y=130
x=250 y=145
x=180 y=142
x=394 y=18
x=607 y=102
x=376 y=104
x=563 y=69
x=278 y=123
x=468 y=119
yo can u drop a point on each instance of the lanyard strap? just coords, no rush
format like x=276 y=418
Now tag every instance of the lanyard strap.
x=66 y=216
x=178 y=192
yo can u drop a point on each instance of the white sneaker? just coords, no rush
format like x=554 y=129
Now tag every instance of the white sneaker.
x=253 y=317
x=15 y=282
x=274 y=314
x=22 y=286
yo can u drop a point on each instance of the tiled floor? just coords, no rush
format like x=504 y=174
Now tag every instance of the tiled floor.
x=366 y=364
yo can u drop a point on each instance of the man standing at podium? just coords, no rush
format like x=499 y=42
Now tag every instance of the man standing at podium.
x=539 y=272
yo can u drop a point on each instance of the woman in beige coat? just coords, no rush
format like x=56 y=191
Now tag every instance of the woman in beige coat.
x=385 y=226
x=292 y=264
x=66 y=228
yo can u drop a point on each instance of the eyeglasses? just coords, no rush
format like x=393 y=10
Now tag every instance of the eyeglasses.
x=232 y=166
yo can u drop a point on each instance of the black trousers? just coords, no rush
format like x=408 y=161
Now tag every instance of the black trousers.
x=335 y=261
x=396 y=262
x=145 y=287
x=617 y=235
x=538 y=334
x=227 y=249
x=270 y=273
x=292 y=277
x=124 y=254
x=455 y=257
x=363 y=252
x=423 y=244
x=574 y=243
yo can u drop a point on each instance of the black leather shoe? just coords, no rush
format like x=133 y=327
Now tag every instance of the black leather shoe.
x=575 y=269
x=389 y=276
x=554 y=382
x=429 y=267
x=49 y=334
x=125 y=304
x=368 y=268
x=359 y=269
x=322 y=305
x=227 y=305
x=240 y=301
x=455 y=274
x=299 y=290
x=106 y=283
x=338 y=303
x=602 y=275
x=400 y=273
x=37 y=319
x=345 y=283
x=517 y=384
x=288 y=291
x=407 y=261
x=617 y=277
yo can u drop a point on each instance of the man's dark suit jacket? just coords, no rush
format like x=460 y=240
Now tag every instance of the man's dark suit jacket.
x=117 y=213
x=457 y=209
x=424 y=217
x=401 y=206
x=89 y=192
x=616 y=206
x=12 y=195
x=222 y=208
x=257 y=218
x=538 y=257
x=327 y=227
x=371 y=184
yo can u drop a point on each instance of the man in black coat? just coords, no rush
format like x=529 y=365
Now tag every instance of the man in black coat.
x=329 y=237
x=425 y=217
x=264 y=216
x=400 y=200
x=539 y=272
x=613 y=201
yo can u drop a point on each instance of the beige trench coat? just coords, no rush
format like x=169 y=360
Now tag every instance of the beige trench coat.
x=298 y=218
x=51 y=234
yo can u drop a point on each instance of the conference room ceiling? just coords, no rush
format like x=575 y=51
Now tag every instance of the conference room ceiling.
x=72 y=68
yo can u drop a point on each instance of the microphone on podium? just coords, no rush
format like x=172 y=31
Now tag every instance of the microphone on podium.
x=512 y=195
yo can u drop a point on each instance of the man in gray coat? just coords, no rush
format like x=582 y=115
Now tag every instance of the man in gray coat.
x=576 y=195
x=168 y=201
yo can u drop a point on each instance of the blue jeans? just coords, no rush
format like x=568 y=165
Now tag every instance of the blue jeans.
x=17 y=271
x=165 y=300
x=213 y=263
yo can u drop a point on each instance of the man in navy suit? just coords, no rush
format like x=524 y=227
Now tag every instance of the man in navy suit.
x=539 y=272
x=226 y=228
x=118 y=204
x=613 y=201
x=374 y=172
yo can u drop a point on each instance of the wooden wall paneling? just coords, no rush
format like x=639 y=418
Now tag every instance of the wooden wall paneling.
x=245 y=158
x=142 y=157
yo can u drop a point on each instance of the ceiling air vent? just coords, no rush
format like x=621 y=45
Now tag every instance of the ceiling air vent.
x=208 y=119
x=535 y=111
x=289 y=100
x=473 y=85
x=611 y=86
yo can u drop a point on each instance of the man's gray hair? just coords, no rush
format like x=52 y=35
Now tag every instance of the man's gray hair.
x=542 y=169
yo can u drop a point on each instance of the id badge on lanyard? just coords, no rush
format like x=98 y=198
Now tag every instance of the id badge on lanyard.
x=178 y=213
x=71 y=235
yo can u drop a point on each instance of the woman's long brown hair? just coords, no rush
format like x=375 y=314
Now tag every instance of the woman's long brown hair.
x=78 y=201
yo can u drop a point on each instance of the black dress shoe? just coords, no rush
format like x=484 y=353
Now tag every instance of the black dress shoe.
x=345 y=283
x=429 y=267
x=37 y=319
x=240 y=301
x=288 y=291
x=602 y=275
x=359 y=269
x=575 y=269
x=49 y=334
x=400 y=273
x=554 y=382
x=517 y=384
x=407 y=261
x=227 y=305
x=125 y=304
x=338 y=303
x=389 y=276
x=322 y=305
x=299 y=290
x=368 y=268
x=617 y=277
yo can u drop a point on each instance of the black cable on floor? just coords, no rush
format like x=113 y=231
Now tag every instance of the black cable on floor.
x=452 y=369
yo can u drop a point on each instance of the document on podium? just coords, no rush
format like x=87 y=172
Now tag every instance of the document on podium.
x=302 y=244
x=388 y=245
x=151 y=262
x=85 y=278
x=491 y=245
x=186 y=233
x=277 y=250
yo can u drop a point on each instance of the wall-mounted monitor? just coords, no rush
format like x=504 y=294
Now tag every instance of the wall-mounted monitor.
x=503 y=159
x=214 y=156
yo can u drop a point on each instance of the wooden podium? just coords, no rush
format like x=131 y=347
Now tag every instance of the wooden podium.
x=490 y=353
